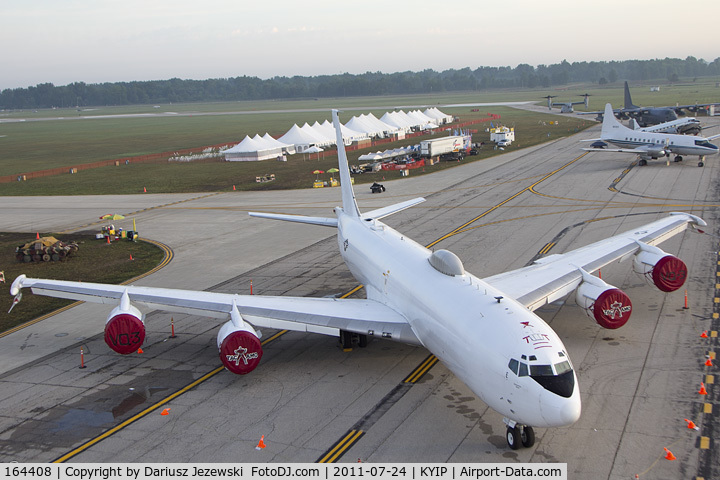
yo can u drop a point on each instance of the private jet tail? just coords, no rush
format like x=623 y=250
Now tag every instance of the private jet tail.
x=349 y=204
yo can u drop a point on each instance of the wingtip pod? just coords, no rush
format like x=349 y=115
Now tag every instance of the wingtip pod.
x=17 y=285
x=693 y=220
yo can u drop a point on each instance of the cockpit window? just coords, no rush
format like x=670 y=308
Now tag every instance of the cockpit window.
x=541 y=370
x=562 y=367
x=705 y=143
x=523 y=372
x=513 y=365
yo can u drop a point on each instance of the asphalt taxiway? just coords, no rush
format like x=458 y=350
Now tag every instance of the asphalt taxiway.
x=314 y=402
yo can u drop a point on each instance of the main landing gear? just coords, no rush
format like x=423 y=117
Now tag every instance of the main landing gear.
x=348 y=339
x=519 y=435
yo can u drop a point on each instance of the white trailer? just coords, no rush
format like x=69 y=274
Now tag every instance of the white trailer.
x=440 y=146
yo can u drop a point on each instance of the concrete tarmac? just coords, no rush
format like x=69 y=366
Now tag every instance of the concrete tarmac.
x=638 y=383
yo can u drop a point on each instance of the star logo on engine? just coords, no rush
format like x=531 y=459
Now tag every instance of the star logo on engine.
x=241 y=353
x=616 y=308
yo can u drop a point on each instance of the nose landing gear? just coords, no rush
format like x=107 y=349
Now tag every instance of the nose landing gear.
x=519 y=435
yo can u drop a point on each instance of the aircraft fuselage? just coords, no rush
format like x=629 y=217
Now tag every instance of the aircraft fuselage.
x=471 y=327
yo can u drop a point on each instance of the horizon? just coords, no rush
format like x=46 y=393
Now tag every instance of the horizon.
x=109 y=41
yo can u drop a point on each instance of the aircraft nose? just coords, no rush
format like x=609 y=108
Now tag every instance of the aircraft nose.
x=560 y=411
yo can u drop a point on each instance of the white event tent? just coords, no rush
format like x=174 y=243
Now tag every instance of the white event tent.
x=255 y=149
x=299 y=139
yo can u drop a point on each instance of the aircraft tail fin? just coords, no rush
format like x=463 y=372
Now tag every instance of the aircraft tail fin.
x=349 y=205
x=610 y=125
x=628 y=99
x=634 y=125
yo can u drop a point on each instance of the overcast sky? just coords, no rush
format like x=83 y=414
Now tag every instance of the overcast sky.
x=97 y=41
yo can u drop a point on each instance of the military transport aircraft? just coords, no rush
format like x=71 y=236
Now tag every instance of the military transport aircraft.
x=651 y=145
x=646 y=116
x=483 y=330
x=566 y=107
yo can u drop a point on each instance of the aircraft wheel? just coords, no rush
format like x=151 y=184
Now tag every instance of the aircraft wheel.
x=346 y=340
x=678 y=158
x=642 y=162
x=513 y=437
x=701 y=164
x=362 y=341
x=528 y=436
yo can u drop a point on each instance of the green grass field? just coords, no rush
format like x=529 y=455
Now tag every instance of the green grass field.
x=40 y=144
x=81 y=266
x=531 y=128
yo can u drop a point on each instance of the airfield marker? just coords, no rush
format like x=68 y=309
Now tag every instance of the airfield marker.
x=82 y=358
x=702 y=390
x=172 y=327
x=669 y=455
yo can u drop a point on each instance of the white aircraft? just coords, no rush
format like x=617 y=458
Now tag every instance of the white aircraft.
x=483 y=330
x=682 y=126
x=650 y=145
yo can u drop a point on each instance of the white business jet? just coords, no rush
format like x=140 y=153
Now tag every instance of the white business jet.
x=483 y=330
x=650 y=145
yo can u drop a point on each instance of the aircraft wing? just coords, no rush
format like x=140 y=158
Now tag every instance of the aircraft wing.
x=318 y=315
x=552 y=277
x=618 y=150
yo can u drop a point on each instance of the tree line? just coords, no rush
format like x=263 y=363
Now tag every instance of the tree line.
x=175 y=90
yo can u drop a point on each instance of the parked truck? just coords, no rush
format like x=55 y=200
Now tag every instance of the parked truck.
x=441 y=146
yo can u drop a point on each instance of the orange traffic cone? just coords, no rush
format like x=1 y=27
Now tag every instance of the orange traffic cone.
x=131 y=256
x=691 y=425
x=702 y=389
x=144 y=190
x=165 y=412
x=37 y=236
x=140 y=350
x=261 y=443
x=708 y=362
x=704 y=334
x=233 y=188
x=669 y=455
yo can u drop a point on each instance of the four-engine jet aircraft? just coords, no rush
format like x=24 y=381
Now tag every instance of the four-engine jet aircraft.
x=650 y=145
x=566 y=107
x=646 y=116
x=483 y=330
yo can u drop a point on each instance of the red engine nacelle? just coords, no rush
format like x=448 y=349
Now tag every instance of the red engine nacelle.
x=610 y=306
x=240 y=348
x=667 y=272
x=125 y=329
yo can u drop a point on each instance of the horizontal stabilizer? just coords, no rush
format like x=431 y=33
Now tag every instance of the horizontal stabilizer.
x=389 y=210
x=323 y=221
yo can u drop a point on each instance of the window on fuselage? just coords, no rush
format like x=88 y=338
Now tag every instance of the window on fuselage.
x=541 y=370
x=562 y=367
x=513 y=365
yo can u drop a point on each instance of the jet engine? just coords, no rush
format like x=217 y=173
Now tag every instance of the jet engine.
x=667 y=272
x=124 y=328
x=239 y=345
x=609 y=306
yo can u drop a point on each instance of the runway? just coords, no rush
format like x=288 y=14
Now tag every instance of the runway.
x=387 y=402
